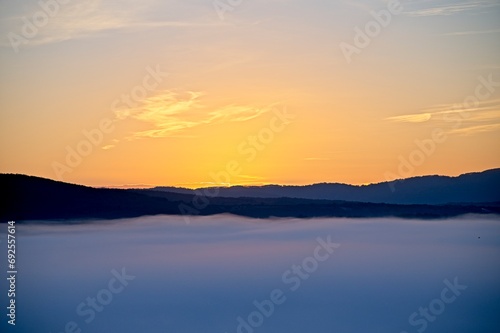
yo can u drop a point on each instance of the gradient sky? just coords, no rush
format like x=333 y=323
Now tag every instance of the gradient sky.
x=230 y=71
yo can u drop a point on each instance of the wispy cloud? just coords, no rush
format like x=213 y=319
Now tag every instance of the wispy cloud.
x=485 y=112
x=475 y=129
x=460 y=107
x=482 y=108
x=472 y=32
x=411 y=118
x=88 y=18
x=317 y=159
x=446 y=10
x=170 y=113
x=485 y=115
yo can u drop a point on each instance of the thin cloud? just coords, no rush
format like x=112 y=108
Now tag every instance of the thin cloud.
x=461 y=107
x=411 y=118
x=475 y=129
x=317 y=159
x=172 y=113
x=470 y=119
x=482 y=111
x=236 y=113
x=94 y=18
x=475 y=32
x=452 y=9
x=485 y=116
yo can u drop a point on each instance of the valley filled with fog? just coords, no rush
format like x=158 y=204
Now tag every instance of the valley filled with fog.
x=231 y=274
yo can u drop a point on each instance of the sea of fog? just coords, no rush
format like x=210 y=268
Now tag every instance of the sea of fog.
x=227 y=274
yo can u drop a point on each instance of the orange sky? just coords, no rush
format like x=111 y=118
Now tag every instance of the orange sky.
x=178 y=94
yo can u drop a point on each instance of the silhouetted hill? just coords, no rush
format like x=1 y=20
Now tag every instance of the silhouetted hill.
x=28 y=197
x=468 y=188
x=34 y=198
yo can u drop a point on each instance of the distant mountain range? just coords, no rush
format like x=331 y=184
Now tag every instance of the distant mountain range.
x=35 y=198
x=433 y=190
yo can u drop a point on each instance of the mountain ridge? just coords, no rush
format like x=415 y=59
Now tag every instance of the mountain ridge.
x=36 y=198
x=434 y=189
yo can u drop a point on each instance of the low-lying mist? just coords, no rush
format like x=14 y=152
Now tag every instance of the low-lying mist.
x=231 y=274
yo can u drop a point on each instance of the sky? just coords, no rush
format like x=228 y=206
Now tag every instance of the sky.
x=196 y=93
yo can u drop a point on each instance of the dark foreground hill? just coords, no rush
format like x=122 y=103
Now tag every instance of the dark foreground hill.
x=27 y=197
x=34 y=198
